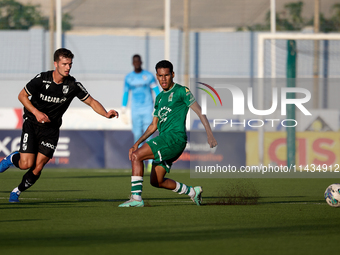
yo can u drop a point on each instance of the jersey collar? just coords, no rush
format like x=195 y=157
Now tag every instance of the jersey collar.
x=170 y=89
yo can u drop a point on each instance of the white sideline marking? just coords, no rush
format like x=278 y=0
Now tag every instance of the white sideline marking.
x=98 y=199
x=156 y=201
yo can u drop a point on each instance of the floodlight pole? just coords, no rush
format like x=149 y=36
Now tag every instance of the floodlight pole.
x=273 y=30
x=186 y=27
x=260 y=96
x=260 y=91
x=51 y=27
x=316 y=55
x=167 y=18
x=58 y=25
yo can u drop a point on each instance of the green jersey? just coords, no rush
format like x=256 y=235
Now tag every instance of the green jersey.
x=171 y=108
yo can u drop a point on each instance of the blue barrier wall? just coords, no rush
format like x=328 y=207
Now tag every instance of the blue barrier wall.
x=109 y=149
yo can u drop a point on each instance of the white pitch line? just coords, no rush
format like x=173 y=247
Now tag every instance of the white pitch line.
x=159 y=201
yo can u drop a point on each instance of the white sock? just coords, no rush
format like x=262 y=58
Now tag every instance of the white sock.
x=184 y=189
x=137 y=187
x=192 y=192
x=16 y=190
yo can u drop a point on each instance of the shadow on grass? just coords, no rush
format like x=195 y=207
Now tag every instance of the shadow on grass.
x=129 y=234
x=244 y=200
x=21 y=220
x=232 y=195
x=89 y=177
x=32 y=191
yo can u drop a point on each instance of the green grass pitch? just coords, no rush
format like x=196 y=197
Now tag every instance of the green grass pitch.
x=75 y=212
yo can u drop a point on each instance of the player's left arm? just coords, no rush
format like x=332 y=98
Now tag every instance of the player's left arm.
x=211 y=139
x=98 y=108
x=154 y=86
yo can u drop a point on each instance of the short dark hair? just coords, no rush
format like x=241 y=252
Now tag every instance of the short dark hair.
x=164 y=64
x=62 y=52
x=137 y=56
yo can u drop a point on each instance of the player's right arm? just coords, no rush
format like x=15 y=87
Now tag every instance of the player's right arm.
x=126 y=90
x=154 y=86
x=148 y=132
x=40 y=116
x=125 y=101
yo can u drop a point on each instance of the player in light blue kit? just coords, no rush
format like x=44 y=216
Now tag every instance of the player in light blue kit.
x=140 y=82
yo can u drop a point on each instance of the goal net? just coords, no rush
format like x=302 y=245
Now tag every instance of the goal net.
x=316 y=68
x=272 y=54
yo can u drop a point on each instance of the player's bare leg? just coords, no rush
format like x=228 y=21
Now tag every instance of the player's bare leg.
x=26 y=160
x=157 y=180
x=137 y=158
x=35 y=165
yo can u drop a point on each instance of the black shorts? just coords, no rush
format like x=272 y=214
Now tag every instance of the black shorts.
x=37 y=138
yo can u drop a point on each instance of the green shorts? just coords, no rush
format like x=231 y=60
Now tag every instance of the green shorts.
x=166 y=149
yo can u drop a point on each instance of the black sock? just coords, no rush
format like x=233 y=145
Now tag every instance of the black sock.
x=28 y=180
x=15 y=159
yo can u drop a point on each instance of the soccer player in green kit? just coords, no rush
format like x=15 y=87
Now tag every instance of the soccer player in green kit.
x=170 y=111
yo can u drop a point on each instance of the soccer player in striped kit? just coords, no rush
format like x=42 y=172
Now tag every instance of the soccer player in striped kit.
x=169 y=117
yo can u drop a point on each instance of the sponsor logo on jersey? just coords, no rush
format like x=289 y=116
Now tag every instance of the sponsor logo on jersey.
x=170 y=97
x=50 y=99
x=81 y=87
x=188 y=93
x=49 y=82
x=163 y=113
x=48 y=145
x=167 y=109
x=65 y=89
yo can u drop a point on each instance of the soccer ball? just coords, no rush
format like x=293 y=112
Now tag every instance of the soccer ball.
x=332 y=195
